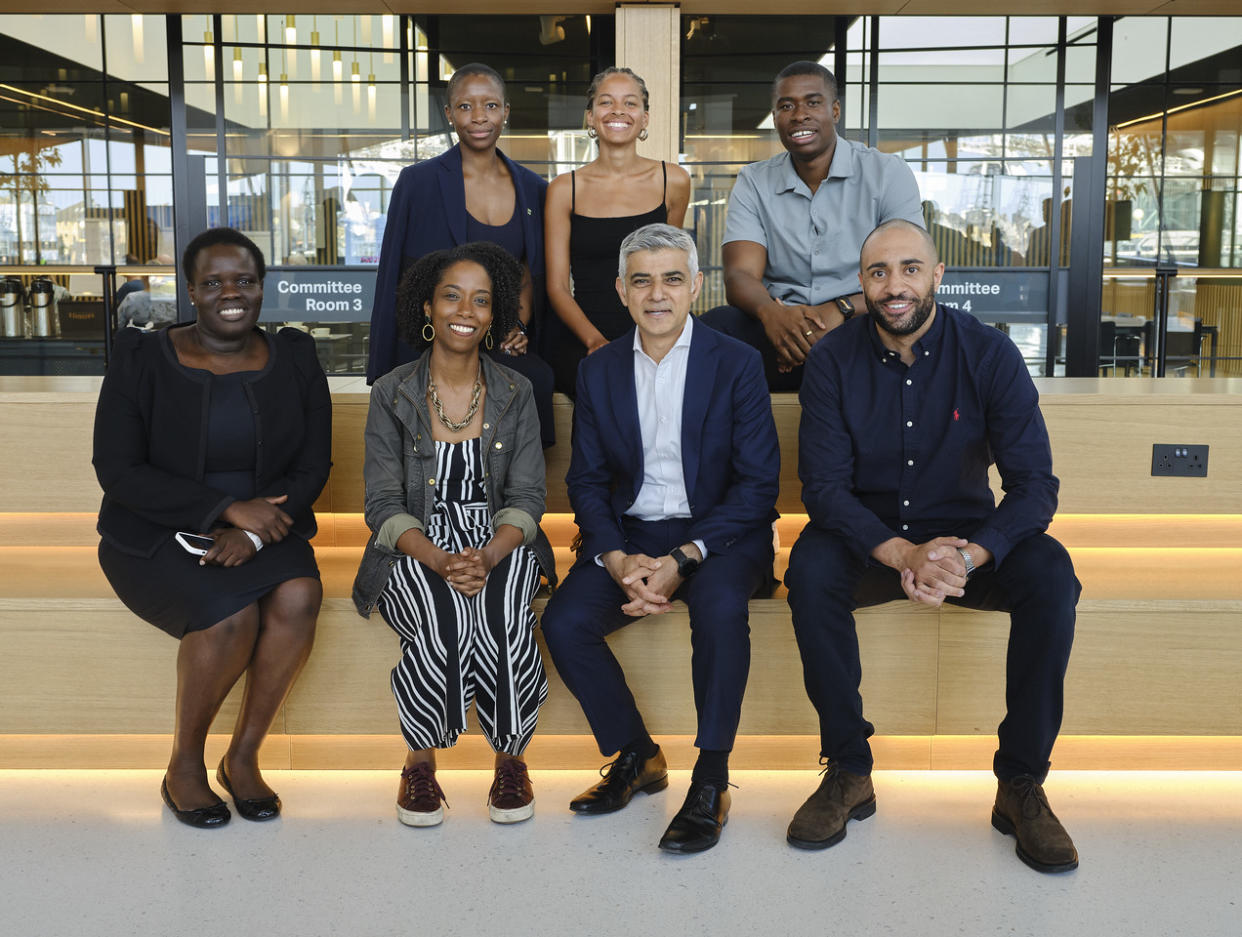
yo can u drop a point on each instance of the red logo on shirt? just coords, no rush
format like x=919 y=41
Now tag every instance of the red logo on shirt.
x=955 y=415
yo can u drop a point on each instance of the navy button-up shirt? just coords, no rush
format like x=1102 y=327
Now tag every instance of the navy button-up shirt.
x=886 y=450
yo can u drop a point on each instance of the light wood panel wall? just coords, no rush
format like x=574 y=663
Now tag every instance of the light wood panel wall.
x=648 y=41
x=1141 y=668
x=1101 y=430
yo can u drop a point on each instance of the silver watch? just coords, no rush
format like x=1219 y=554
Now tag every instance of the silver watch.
x=970 y=564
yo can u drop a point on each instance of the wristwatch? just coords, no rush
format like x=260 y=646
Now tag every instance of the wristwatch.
x=970 y=564
x=846 y=307
x=686 y=567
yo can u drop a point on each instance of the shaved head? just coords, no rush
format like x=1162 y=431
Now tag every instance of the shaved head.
x=933 y=255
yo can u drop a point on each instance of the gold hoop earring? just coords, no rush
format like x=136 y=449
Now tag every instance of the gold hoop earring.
x=487 y=341
x=591 y=133
x=642 y=134
x=428 y=327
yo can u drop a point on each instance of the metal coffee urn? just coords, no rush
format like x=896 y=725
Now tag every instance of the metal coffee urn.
x=44 y=316
x=12 y=308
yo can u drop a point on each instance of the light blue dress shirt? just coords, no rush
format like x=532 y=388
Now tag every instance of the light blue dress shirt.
x=813 y=240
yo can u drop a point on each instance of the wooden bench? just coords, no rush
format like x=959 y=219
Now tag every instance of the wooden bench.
x=1153 y=679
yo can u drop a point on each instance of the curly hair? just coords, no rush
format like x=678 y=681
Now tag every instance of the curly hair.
x=213 y=236
x=418 y=286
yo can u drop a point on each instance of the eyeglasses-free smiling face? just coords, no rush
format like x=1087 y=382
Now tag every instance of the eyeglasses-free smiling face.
x=226 y=290
x=617 y=114
x=658 y=291
x=477 y=112
x=900 y=275
x=805 y=116
x=461 y=306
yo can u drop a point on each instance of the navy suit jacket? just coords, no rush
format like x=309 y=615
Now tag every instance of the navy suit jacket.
x=730 y=455
x=428 y=213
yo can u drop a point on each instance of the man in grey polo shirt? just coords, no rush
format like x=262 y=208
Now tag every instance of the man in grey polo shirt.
x=796 y=223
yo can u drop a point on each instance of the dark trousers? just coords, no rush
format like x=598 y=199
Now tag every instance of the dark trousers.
x=745 y=328
x=540 y=375
x=1035 y=584
x=587 y=607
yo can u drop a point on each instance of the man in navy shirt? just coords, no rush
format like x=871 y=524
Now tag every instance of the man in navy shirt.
x=903 y=410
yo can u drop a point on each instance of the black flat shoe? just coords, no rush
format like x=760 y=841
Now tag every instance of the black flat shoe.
x=204 y=817
x=261 y=808
x=698 y=823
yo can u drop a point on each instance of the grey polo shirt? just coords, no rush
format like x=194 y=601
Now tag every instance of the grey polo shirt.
x=813 y=240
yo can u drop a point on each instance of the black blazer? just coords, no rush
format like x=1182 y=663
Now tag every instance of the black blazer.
x=427 y=213
x=151 y=439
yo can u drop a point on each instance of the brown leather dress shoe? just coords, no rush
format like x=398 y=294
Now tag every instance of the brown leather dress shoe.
x=512 y=798
x=623 y=778
x=1022 y=811
x=841 y=796
x=698 y=823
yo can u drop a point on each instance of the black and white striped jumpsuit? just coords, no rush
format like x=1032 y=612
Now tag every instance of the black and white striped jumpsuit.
x=454 y=648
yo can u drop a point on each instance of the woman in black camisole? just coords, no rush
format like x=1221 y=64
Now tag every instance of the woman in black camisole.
x=590 y=211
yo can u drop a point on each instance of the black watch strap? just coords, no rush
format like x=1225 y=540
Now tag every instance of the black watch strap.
x=686 y=567
x=846 y=305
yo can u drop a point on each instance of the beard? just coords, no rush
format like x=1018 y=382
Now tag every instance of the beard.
x=913 y=320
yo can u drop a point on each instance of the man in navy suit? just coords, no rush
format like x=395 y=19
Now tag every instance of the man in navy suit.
x=673 y=481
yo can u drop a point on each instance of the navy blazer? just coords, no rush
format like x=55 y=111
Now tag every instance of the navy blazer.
x=427 y=213
x=730 y=455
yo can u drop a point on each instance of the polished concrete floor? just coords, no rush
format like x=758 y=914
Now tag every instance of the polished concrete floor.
x=90 y=853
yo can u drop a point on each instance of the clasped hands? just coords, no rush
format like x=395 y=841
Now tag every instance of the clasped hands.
x=515 y=343
x=792 y=330
x=647 y=581
x=465 y=571
x=932 y=571
x=260 y=516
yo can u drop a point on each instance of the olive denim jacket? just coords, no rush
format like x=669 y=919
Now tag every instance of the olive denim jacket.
x=401 y=462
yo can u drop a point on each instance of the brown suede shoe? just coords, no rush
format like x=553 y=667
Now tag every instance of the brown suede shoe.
x=841 y=796
x=511 y=799
x=1022 y=811
x=419 y=797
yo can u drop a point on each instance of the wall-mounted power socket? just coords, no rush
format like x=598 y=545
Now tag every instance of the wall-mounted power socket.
x=1179 y=461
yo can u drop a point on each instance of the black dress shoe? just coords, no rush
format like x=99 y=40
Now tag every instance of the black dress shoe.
x=623 y=778
x=205 y=817
x=261 y=808
x=698 y=823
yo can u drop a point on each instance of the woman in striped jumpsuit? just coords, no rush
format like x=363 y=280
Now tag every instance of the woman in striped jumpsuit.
x=454 y=491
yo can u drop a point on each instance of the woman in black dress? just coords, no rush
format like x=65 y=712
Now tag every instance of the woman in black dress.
x=217 y=428
x=591 y=210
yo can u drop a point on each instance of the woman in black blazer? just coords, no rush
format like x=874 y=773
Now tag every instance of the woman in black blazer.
x=217 y=428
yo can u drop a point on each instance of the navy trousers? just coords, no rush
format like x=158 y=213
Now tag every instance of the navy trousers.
x=587 y=607
x=1035 y=584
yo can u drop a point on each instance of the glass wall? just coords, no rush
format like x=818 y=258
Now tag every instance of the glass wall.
x=971 y=104
x=296 y=126
x=85 y=178
x=1175 y=114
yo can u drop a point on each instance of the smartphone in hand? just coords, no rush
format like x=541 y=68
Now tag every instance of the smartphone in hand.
x=196 y=544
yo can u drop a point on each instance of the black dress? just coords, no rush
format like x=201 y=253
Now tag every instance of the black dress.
x=170 y=589
x=594 y=249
